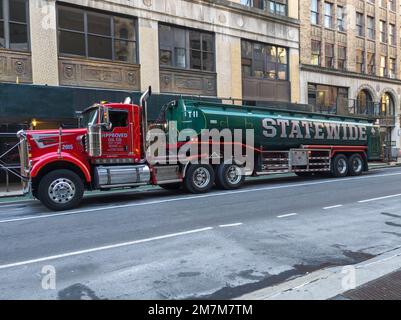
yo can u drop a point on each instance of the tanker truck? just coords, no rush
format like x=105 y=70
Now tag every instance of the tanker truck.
x=110 y=150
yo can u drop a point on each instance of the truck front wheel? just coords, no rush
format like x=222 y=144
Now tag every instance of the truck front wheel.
x=61 y=190
x=340 y=166
x=199 y=178
x=229 y=176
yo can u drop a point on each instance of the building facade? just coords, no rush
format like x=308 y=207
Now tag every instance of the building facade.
x=242 y=49
x=350 y=61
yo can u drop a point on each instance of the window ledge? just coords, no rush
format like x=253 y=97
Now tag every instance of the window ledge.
x=189 y=71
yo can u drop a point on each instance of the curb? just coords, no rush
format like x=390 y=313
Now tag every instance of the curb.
x=331 y=282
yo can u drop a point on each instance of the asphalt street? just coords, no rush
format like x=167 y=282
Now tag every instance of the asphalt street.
x=166 y=245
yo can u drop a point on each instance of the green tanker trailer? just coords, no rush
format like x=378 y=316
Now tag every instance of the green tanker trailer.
x=304 y=143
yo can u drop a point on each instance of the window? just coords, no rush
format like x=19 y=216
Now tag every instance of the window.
x=2 y=36
x=340 y=19
x=328 y=15
x=391 y=5
x=387 y=106
x=392 y=68
x=315 y=9
x=253 y=3
x=316 y=52
x=264 y=61
x=342 y=57
x=360 y=24
x=14 y=25
x=391 y=34
x=360 y=61
x=383 y=3
x=329 y=55
x=186 y=48
x=278 y=7
x=118 y=118
x=365 y=103
x=327 y=99
x=96 y=35
x=383 y=66
x=371 y=27
x=383 y=33
x=371 y=63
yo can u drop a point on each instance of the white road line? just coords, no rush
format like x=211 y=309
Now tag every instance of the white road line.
x=186 y=198
x=113 y=246
x=287 y=215
x=380 y=198
x=230 y=225
x=333 y=207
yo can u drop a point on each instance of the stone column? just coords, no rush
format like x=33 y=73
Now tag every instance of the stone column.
x=228 y=66
x=294 y=70
x=293 y=9
x=148 y=35
x=43 y=37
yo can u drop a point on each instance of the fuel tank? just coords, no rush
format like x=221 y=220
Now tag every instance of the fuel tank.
x=276 y=129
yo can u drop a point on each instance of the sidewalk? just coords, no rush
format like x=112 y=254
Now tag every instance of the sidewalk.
x=14 y=189
x=381 y=165
x=377 y=278
x=384 y=288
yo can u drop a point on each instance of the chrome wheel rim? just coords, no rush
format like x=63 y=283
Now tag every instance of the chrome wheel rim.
x=234 y=175
x=201 y=177
x=342 y=166
x=61 y=190
x=357 y=165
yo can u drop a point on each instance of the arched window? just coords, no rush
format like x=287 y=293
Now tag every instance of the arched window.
x=387 y=107
x=364 y=102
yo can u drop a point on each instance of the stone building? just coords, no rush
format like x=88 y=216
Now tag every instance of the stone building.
x=57 y=57
x=350 y=61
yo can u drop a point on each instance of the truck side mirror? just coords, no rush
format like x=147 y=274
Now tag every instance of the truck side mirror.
x=106 y=119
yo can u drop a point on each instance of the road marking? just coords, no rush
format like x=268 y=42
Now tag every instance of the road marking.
x=287 y=215
x=380 y=198
x=333 y=207
x=113 y=246
x=231 y=225
x=210 y=195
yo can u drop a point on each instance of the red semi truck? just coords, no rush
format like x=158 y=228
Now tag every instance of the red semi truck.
x=110 y=150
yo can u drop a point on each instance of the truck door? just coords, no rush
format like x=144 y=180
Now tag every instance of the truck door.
x=116 y=141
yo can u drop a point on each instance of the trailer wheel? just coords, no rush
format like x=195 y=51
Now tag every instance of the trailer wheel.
x=61 y=190
x=229 y=176
x=171 y=186
x=355 y=165
x=340 y=166
x=199 y=178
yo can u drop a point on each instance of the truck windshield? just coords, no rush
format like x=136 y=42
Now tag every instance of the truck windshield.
x=90 y=117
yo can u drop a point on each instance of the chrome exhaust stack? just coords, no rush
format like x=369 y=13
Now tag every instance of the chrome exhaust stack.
x=143 y=102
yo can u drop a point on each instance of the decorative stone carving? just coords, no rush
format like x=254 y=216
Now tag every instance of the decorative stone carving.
x=147 y=3
x=15 y=66
x=98 y=74
x=222 y=18
x=187 y=82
